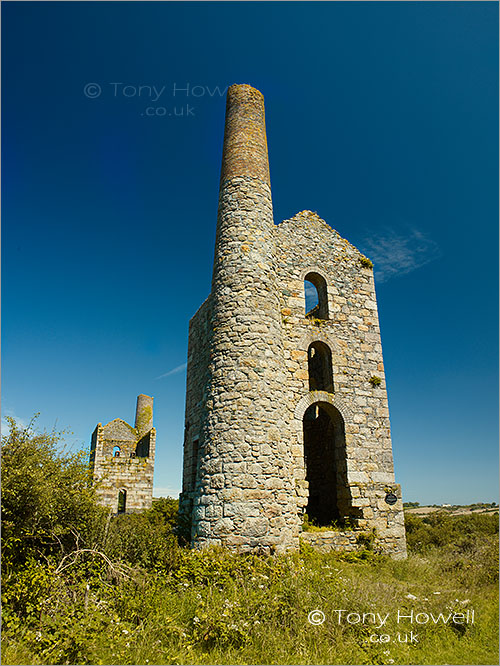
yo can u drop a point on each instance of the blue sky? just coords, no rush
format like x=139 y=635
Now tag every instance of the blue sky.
x=382 y=117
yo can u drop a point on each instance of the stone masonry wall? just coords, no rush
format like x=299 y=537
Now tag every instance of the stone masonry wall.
x=200 y=330
x=329 y=541
x=306 y=244
x=133 y=469
x=249 y=360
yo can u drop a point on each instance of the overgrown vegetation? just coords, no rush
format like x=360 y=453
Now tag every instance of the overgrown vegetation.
x=311 y=525
x=82 y=587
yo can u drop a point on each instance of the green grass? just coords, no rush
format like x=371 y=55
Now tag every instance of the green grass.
x=81 y=587
x=214 y=607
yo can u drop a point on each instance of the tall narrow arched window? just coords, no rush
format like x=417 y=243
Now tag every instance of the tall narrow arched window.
x=319 y=360
x=122 y=501
x=116 y=451
x=316 y=296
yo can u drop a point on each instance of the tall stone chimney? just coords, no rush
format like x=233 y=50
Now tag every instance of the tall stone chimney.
x=245 y=143
x=245 y=202
x=144 y=414
x=237 y=446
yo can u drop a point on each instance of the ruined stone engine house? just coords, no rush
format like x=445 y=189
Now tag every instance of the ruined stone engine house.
x=286 y=409
x=122 y=459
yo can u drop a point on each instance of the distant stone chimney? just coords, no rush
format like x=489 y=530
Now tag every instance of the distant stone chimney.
x=144 y=414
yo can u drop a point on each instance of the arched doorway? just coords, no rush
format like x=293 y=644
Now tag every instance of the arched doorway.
x=325 y=461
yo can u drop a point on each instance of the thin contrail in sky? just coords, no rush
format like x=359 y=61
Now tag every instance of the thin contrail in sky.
x=174 y=371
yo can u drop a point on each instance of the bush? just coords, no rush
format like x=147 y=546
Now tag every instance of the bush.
x=168 y=509
x=439 y=529
x=465 y=545
x=145 y=539
x=48 y=503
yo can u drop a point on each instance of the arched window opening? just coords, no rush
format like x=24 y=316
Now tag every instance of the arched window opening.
x=122 y=501
x=326 y=467
x=311 y=294
x=316 y=296
x=319 y=359
x=116 y=451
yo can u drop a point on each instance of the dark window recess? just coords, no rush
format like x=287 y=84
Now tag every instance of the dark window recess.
x=122 y=501
x=142 y=448
x=319 y=360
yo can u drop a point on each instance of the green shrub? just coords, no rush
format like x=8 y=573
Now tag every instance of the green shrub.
x=466 y=545
x=48 y=503
x=367 y=539
x=167 y=508
x=144 y=539
x=439 y=529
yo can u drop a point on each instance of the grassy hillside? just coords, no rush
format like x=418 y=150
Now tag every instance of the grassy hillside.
x=98 y=590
